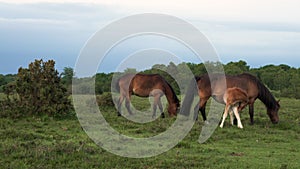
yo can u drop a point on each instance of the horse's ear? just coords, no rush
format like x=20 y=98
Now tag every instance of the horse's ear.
x=278 y=101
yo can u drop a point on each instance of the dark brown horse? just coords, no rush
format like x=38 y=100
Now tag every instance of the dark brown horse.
x=145 y=85
x=213 y=85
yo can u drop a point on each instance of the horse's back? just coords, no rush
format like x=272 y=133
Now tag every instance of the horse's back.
x=148 y=81
x=124 y=82
x=140 y=79
x=244 y=81
x=235 y=94
x=216 y=84
x=142 y=84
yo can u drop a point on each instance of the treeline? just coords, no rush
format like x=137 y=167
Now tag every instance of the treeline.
x=282 y=80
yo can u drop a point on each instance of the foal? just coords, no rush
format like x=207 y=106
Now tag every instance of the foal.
x=235 y=99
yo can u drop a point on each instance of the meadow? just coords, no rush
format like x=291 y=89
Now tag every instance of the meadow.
x=44 y=142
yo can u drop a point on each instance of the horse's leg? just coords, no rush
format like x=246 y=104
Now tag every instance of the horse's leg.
x=120 y=101
x=224 y=115
x=196 y=110
x=251 y=112
x=127 y=104
x=154 y=106
x=231 y=116
x=202 y=106
x=161 y=107
x=236 y=113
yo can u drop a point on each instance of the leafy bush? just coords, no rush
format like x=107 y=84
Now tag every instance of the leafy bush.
x=105 y=99
x=39 y=91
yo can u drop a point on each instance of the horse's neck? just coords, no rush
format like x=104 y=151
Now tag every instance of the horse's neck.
x=266 y=97
x=170 y=95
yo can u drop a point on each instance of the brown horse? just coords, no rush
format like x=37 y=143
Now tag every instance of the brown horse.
x=213 y=85
x=235 y=99
x=146 y=85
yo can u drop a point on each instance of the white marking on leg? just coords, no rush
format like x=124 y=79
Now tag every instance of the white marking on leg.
x=236 y=113
x=224 y=116
x=231 y=116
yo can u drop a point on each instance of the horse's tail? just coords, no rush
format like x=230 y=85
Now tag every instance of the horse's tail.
x=189 y=96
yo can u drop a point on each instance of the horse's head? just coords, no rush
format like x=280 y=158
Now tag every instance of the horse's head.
x=273 y=113
x=173 y=109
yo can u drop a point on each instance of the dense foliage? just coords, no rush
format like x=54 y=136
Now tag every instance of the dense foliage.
x=282 y=80
x=37 y=90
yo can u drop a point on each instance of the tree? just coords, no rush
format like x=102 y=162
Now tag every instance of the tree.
x=236 y=67
x=67 y=75
x=197 y=69
x=5 y=80
x=103 y=82
x=159 y=67
x=130 y=70
x=40 y=89
x=2 y=80
x=172 y=69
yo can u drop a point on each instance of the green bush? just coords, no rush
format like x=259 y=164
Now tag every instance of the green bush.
x=105 y=99
x=37 y=91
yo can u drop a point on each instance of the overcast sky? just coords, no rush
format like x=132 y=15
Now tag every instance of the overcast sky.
x=259 y=31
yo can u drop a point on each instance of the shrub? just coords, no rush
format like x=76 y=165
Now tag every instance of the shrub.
x=39 y=91
x=105 y=99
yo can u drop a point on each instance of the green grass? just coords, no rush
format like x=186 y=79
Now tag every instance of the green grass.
x=47 y=143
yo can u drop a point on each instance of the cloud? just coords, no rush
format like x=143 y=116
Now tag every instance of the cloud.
x=47 y=1
x=231 y=10
x=31 y=21
x=59 y=11
x=247 y=30
x=61 y=16
x=257 y=14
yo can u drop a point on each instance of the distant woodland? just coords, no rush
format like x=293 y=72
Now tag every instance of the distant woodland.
x=282 y=80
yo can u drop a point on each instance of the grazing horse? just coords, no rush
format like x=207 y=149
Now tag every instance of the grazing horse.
x=146 y=85
x=213 y=85
x=235 y=99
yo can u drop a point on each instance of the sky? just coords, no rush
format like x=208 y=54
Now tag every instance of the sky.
x=259 y=32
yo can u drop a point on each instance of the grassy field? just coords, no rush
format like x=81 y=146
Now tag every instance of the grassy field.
x=43 y=142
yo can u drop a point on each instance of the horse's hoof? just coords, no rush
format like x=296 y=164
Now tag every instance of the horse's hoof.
x=119 y=114
x=162 y=116
x=195 y=119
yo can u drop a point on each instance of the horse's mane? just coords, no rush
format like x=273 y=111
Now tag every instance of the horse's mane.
x=175 y=98
x=264 y=93
x=197 y=78
x=266 y=96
